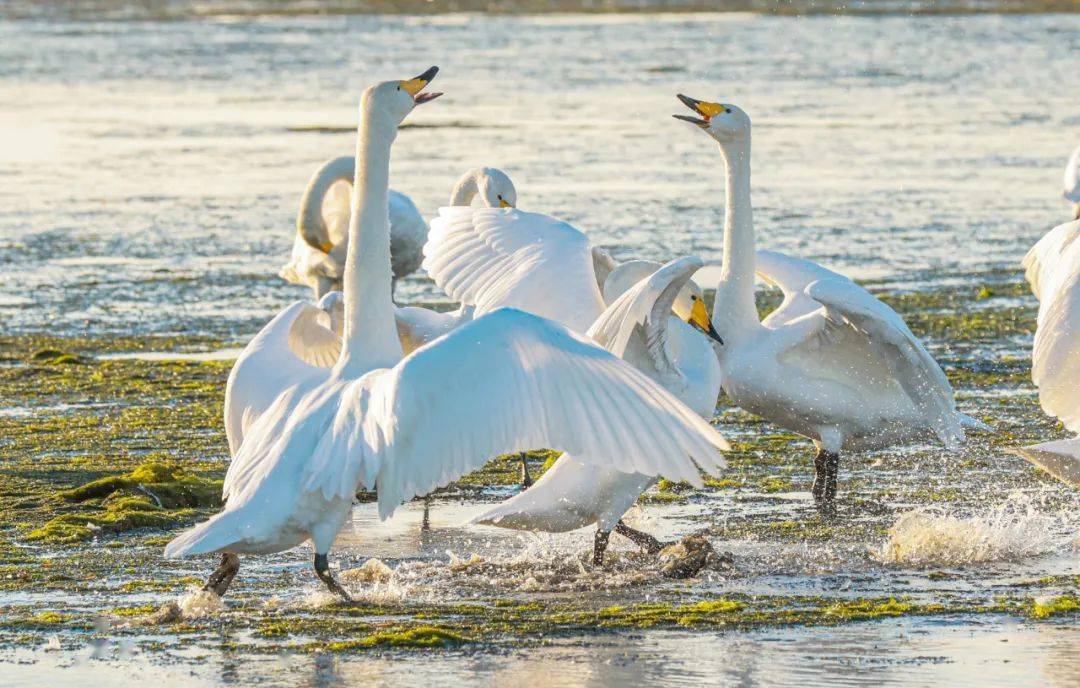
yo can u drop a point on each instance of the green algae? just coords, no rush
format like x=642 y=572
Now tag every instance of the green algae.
x=413 y=637
x=1055 y=606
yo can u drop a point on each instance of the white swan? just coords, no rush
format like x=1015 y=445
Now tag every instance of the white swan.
x=833 y=363
x=638 y=327
x=403 y=426
x=1052 y=267
x=490 y=258
x=322 y=222
x=1071 y=183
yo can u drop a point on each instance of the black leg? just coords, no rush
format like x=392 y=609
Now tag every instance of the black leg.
x=599 y=545
x=826 y=472
x=322 y=570
x=425 y=523
x=643 y=540
x=526 y=479
x=219 y=580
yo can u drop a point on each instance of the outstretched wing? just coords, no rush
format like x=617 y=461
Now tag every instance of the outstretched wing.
x=292 y=349
x=506 y=382
x=792 y=276
x=852 y=320
x=1055 y=356
x=645 y=309
x=503 y=257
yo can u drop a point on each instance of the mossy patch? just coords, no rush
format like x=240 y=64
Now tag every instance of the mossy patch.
x=1043 y=608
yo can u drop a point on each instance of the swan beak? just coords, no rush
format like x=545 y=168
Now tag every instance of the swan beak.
x=503 y=203
x=415 y=85
x=326 y=246
x=705 y=109
x=699 y=318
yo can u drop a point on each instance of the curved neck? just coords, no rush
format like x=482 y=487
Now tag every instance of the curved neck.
x=370 y=337
x=734 y=309
x=465 y=190
x=309 y=220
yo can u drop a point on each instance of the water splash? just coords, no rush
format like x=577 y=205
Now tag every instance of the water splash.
x=1012 y=530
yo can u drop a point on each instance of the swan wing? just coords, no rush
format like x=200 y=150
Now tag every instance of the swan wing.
x=503 y=257
x=266 y=367
x=852 y=318
x=1055 y=356
x=508 y=381
x=310 y=337
x=642 y=313
x=792 y=276
x=1071 y=186
x=1042 y=261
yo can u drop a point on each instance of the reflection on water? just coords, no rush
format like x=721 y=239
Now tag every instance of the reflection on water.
x=958 y=652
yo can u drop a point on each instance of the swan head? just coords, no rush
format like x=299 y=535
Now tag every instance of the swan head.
x=690 y=306
x=391 y=101
x=495 y=187
x=724 y=122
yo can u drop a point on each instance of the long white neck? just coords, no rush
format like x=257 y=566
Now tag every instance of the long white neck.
x=465 y=190
x=734 y=310
x=309 y=220
x=370 y=337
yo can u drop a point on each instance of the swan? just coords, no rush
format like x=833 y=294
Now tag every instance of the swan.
x=638 y=327
x=491 y=258
x=832 y=363
x=404 y=425
x=322 y=222
x=1052 y=268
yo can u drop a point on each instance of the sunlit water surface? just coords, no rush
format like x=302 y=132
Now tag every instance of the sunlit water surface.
x=149 y=174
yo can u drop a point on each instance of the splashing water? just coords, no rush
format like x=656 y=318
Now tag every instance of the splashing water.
x=200 y=603
x=1012 y=530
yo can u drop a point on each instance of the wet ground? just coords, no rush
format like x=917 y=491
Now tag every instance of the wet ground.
x=147 y=201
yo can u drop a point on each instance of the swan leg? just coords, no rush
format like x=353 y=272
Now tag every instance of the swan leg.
x=643 y=540
x=826 y=472
x=526 y=479
x=600 y=541
x=425 y=522
x=322 y=570
x=223 y=575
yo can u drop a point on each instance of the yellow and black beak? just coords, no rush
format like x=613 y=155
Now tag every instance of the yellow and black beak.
x=699 y=318
x=706 y=110
x=503 y=203
x=415 y=85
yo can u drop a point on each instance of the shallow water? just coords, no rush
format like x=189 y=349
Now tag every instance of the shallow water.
x=148 y=179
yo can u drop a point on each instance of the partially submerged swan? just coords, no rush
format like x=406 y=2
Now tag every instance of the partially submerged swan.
x=647 y=326
x=1052 y=268
x=403 y=426
x=321 y=242
x=832 y=363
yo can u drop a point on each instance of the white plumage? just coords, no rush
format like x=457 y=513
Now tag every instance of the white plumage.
x=403 y=426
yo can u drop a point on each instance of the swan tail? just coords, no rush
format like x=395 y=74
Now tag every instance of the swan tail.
x=1060 y=458
x=969 y=423
x=213 y=535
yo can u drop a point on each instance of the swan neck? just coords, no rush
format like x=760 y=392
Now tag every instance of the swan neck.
x=370 y=336
x=465 y=190
x=310 y=222
x=734 y=308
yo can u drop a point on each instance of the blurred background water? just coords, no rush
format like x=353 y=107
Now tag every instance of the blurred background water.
x=150 y=171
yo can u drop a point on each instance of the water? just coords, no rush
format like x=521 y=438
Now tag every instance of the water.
x=149 y=173
x=151 y=170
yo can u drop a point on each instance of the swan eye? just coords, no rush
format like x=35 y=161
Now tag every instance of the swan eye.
x=727 y=110
x=693 y=298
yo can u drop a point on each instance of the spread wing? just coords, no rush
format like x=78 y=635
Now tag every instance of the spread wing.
x=792 y=276
x=1055 y=356
x=854 y=326
x=503 y=257
x=506 y=382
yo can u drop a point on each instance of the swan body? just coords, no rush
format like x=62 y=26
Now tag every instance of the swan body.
x=404 y=425
x=322 y=222
x=639 y=327
x=1071 y=182
x=1052 y=268
x=833 y=363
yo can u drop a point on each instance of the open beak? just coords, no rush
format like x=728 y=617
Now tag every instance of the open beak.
x=706 y=110
x=415 y=85
x=699 y=318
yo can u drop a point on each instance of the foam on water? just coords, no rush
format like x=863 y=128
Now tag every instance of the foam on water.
x=200 y=603
x=932 y=537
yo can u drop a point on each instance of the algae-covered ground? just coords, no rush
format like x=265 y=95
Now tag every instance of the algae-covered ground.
x=104 y=458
